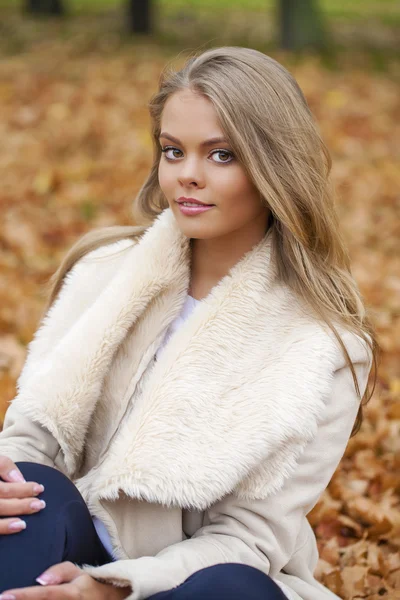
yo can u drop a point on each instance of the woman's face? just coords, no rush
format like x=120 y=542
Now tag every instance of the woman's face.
x=194 y=167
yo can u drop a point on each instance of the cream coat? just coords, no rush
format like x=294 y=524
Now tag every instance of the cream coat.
x=214 y=453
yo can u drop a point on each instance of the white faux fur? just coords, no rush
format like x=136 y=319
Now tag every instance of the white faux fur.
x=230 y=405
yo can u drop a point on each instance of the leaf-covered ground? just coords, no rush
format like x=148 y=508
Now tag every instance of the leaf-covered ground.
x=75 y=150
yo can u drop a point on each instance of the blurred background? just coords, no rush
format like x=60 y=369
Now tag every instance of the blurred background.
x=75 y=79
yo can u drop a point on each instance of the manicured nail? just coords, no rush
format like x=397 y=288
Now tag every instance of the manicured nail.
x=7 y=597
x=37 y=504
x=47 y=579
x=16 y=525
x=16 y=476
x=38 y=489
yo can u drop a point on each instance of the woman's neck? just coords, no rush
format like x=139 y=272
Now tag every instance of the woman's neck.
x=212 y=259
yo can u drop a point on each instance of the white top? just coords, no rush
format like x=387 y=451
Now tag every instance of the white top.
x=187 y=308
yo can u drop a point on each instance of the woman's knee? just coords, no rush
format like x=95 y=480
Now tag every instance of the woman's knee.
x=59 y=492
x=51 y=478
x=64 y=511
x=230 y=580
x=32 y=471
x=63 y=530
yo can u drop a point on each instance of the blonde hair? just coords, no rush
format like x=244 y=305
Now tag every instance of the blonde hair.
x=271 y=130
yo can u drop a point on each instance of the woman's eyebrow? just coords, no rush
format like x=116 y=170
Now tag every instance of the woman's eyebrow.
x=210 y=142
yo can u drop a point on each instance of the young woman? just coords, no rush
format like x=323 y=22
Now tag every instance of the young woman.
x=194 y=382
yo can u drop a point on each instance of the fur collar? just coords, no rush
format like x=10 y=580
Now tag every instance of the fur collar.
x=233 y=400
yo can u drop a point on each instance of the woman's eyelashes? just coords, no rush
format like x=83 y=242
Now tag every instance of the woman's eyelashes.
x=226 y=153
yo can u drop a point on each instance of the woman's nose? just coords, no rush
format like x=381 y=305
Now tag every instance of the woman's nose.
x=190 y=172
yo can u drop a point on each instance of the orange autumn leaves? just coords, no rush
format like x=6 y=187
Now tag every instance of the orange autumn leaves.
x=357 y=520
x=76 y=149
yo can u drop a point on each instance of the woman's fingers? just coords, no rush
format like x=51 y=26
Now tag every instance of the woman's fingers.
x=9 y=470
x=9 y=526
x=20 y=490
x=17 y=497
x=50 y=588
x=14 y=507
x=60 y=573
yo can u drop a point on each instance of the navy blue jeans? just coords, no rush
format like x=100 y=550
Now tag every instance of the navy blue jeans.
x=64 y=531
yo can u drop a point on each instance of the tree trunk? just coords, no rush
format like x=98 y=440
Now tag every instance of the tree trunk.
x=301 y=24
x=140 y=18
x=46 y=7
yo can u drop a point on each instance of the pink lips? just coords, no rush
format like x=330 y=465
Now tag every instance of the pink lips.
x=194 y=210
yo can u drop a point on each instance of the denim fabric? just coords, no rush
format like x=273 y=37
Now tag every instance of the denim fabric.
x=230 y=581
x=62 y=531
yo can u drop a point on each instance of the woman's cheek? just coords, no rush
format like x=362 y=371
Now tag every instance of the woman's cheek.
x=164 y=182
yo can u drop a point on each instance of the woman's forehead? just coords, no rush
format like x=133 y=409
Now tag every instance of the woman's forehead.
x=190 y=117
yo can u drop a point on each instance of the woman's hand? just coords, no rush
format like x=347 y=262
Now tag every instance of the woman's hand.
x=66 y=581
x=17 y=497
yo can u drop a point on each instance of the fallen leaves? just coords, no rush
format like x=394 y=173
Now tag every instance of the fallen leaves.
x=357 y=520
x=76 y=149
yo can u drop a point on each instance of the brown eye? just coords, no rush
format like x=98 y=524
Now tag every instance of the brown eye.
x=170 y=148
x=227 y=156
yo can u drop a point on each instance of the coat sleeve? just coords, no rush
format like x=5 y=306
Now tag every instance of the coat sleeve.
x=22 y=439
x=263 y=533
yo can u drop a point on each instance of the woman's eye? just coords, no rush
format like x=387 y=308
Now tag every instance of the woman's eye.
x=226 y=155
x=168 y=149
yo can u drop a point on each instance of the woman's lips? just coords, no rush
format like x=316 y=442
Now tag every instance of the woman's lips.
x=194 y=210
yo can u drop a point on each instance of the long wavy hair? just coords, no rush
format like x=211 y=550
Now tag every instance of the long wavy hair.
x=272 y=132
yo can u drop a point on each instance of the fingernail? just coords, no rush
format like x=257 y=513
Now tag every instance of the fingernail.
x=15 y=525
x=38 y=504
x=47 y=578
x=38 y=489
x=7 y=597
x=16 y=476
